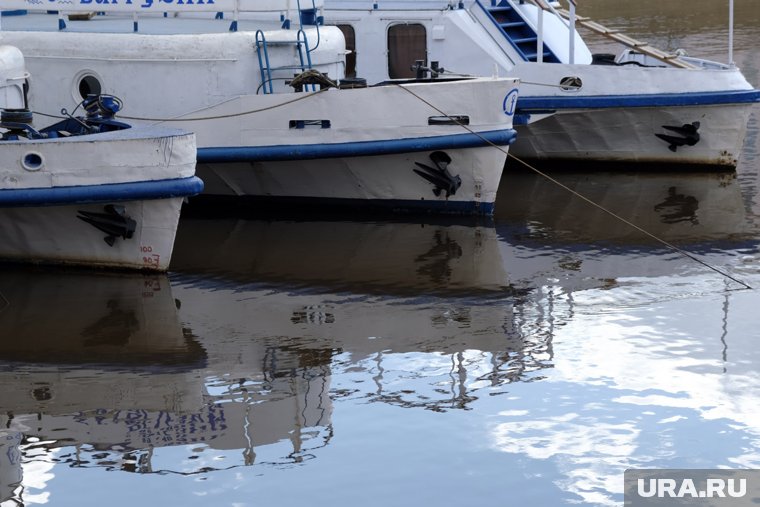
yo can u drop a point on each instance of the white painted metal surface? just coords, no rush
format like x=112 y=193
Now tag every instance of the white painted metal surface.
x=48 y=185
x=150 y=6
x=603 y=119
x=190 y=72
x=12 y=76
x=54 y=233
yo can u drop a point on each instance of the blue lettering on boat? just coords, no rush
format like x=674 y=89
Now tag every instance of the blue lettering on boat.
x=146 y=3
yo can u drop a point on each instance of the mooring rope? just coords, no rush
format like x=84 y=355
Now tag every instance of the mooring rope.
x=488 y=142
x=206 y=118
x=254 y=111
x=251 y=111
x=583 y=197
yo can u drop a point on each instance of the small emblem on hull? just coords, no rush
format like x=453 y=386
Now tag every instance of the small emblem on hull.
x=510 y=102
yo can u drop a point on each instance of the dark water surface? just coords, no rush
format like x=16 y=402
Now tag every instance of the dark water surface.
x=524 y=360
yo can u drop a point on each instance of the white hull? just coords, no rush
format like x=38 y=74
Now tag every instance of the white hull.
x=365 y=159
x=627 y=135
x=387 y=181
x=618 y=112
x=54 y=234
x=357 y=146
x=108 y=199
x=612 y=116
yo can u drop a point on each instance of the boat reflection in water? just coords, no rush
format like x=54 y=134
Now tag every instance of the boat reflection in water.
x=97 y=371
x=680 y=208
x=551 y=237
x=263 y=326
x=366 y=293
x=456 y=254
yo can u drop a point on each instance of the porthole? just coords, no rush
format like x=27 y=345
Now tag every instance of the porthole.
x=89 y=85
x=32 y=161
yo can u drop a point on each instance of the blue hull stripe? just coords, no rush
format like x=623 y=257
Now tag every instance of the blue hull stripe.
x=354 y=149
x=160 y=189
x=536 y=104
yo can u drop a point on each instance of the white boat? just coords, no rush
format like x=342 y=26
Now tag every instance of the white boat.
x=275 y=119
x=643 y=106
x=88 y=190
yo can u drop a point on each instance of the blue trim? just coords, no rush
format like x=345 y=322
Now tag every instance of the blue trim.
x=529 y=104
x=160 y=189
x=16 y=12
x=521 y=119
x=354 y=149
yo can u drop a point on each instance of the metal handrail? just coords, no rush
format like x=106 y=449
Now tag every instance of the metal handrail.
x=316 y=24
x=266 y=73
x=265 y=68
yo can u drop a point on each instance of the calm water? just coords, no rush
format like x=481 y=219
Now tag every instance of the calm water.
x=530 y=359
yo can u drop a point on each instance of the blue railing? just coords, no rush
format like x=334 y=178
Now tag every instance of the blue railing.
x=262 y=51
x=520 y=35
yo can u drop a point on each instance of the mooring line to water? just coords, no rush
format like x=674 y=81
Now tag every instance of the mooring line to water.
x=584 y=198
x=631 y=224
x=6 y=302
x=488 y=142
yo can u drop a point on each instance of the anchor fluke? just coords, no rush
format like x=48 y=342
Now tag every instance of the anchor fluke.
x=114 y=222
x=439 y=175
x=688 y=131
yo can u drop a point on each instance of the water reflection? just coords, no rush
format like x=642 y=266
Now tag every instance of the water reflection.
x=683 y=208
x=320 y=360
x=415 y=256
x=550 y=341
x=97 y=371
x=678 y=207
x=678 y=391
x=378 y=293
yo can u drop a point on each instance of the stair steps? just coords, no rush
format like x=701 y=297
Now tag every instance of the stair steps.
x=519 y=34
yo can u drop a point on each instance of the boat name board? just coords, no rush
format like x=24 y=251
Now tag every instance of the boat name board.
x=148 y=5
x=123 y=5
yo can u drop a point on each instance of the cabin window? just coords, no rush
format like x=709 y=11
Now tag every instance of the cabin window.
x=88 y=85
x=406 y=44
x=350 y=35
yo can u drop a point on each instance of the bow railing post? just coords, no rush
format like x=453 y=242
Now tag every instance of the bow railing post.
x=731 y=33
x=571 y=42
x=542 y=6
